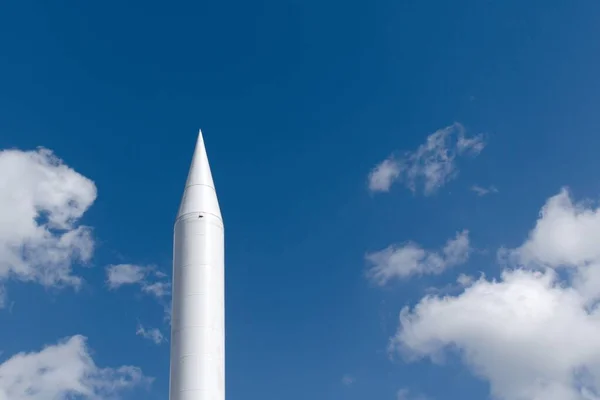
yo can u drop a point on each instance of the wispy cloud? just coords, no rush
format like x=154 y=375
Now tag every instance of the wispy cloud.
x=152 y=334
x=384 y=174
x=463 y=281
x=482 y=191
x=348 y=380
x=125 y=274
x=406 y=394
x=410 y=259
x=157 y=289
x=431 y=165
x=150 y=281
x=2 y=297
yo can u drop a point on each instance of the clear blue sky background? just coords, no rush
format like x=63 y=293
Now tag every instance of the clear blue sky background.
x=298 y=100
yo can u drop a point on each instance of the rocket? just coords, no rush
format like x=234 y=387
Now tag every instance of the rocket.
x=198 y=298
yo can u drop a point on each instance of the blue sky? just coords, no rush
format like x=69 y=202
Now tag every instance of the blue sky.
x=300 y=103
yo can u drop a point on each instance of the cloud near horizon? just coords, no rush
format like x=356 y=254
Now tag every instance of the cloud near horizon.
x=431 y=165
x=534 y=333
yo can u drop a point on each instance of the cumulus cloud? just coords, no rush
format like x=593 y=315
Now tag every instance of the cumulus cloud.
x=64 y=371
x=566 y=234
x=534 y=333
x=482 y=191
x=152 y=334
x=410 y=259
x=41 y=202
x=431 y=165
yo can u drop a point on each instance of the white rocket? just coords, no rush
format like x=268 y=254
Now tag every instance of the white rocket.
x=198 y=305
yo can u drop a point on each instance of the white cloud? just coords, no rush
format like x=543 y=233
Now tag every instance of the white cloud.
x=464 y=280
x=410 y=259
x=348 y=380
x=383 y=175
x=146 y=278
x=124 y=274
x=567 y=235
x=64 y=371
x=160 y=274
x=152 y=334
x=41 y=202
x=534 y=334
x=433 y=163
x=482 y=191
x=130 y=274
x=465 y=145
x=157 y=289
x=406 y=394
x=167 y=307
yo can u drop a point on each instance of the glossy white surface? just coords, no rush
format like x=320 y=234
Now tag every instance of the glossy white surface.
x=199 y=194
x=198 y=305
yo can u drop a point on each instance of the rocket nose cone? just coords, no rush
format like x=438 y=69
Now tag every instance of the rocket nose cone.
x=199 y=195
x=199 y=173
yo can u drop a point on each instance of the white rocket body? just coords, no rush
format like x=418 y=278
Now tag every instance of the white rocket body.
x=198 y=299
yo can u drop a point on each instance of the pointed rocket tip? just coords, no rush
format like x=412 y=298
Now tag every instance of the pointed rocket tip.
x=199 y=194
x=199 y=142
x=199 y=173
